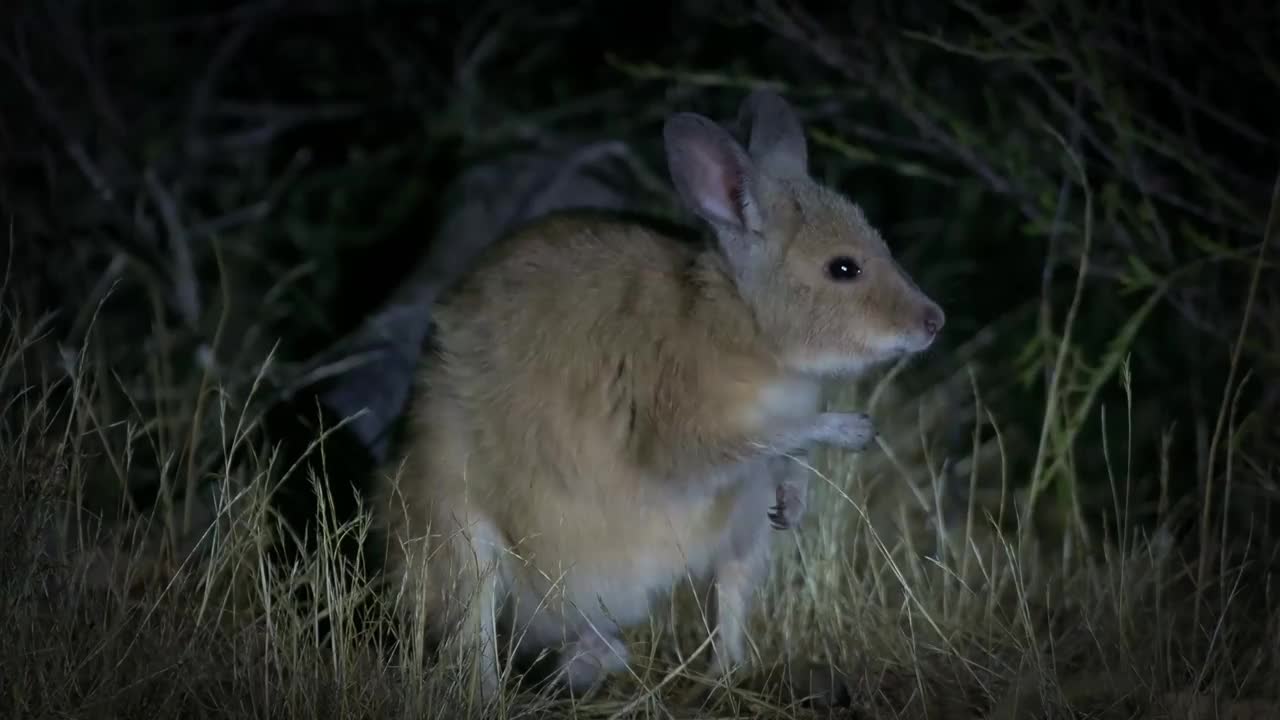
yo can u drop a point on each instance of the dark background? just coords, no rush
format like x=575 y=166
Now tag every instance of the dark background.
x=226 y=180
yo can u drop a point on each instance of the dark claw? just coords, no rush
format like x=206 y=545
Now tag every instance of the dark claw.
x=775 y=518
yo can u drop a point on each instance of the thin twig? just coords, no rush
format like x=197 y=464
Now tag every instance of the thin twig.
x=185 y=285
x=1052 y=391
x=1206 y=494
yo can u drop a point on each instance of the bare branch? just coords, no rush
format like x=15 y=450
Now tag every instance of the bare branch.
x=185 y=285
x=203 y=92
x=798 y=26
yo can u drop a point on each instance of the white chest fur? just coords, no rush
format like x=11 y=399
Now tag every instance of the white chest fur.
x=790 y=398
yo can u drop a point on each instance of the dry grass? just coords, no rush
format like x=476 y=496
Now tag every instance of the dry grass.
x=929 y=609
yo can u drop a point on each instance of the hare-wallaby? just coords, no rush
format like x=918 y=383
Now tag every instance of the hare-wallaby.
x=607 y=408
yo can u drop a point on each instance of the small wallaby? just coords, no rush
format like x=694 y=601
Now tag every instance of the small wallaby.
x=610 y=410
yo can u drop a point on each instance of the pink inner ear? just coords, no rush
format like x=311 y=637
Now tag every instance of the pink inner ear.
x=722 y=193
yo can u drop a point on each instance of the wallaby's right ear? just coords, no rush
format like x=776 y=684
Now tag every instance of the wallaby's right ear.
x=776 y=137
x=712 y=173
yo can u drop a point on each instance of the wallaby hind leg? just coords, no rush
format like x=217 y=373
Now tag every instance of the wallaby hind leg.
x=468 y=569
x=594 y=655
x=737 y=577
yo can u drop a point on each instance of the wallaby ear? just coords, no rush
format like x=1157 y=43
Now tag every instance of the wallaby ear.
x=776 y=137
x=712 y=173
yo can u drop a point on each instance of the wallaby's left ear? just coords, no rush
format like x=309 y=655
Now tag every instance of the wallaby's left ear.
x=776 y=139
x=712 y=173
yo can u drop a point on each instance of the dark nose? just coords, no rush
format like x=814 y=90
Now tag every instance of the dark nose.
x=934 y=319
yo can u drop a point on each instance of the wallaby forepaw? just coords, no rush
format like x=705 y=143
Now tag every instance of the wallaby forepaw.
x=851 y=431
x=790 y=507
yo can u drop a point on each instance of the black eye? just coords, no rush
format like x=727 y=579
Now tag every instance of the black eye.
x=843 y=269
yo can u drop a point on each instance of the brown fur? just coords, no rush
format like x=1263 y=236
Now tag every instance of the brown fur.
x=608 y=406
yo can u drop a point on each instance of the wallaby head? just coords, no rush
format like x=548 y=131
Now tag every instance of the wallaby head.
x=820 y=280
